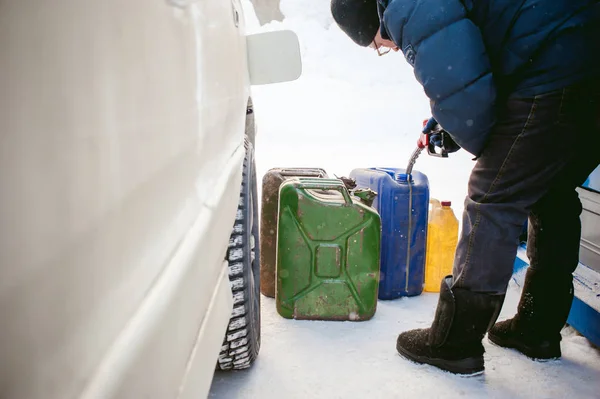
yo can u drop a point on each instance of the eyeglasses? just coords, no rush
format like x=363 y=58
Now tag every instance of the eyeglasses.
x=380 y=52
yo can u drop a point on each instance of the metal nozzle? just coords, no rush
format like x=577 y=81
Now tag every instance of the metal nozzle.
x=413 y=159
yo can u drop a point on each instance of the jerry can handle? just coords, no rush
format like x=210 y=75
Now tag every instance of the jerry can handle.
x=302 y=172
x=390 y=172
x=341 y=188
x=435 y=203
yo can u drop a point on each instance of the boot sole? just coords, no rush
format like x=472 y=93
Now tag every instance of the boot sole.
x=532 y=353
x=465 y=367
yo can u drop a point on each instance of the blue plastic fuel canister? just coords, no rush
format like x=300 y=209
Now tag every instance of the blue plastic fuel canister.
x=403 y=204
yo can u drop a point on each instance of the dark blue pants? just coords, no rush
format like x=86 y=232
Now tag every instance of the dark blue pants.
x=540 y=150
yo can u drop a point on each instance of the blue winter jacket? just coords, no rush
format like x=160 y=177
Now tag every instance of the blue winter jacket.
x=470 y=55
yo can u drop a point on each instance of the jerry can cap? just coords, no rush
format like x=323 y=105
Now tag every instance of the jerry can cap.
x=446 y=203
x=403 y=177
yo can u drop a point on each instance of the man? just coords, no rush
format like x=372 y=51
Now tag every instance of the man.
x=515 y=83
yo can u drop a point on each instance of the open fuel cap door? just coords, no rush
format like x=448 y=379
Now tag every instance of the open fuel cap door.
x=273 y=57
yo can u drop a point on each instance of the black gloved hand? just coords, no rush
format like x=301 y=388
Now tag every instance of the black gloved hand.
x=443 y=140
x=430 y=125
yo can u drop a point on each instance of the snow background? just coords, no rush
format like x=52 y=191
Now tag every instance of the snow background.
x=353 y=109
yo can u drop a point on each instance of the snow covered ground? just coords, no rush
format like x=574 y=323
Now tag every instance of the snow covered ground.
x=328 y=360
x=353 y=109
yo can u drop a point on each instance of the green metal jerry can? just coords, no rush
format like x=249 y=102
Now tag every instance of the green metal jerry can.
x=327 y=252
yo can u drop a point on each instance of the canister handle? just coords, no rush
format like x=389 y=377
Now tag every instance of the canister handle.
x=323 y=186
x=390 y=172
x=302 y=172
x=435 y=203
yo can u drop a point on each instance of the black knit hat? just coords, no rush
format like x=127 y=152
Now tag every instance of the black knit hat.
x=357 y=18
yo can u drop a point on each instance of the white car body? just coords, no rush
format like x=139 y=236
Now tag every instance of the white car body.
x=121 y=149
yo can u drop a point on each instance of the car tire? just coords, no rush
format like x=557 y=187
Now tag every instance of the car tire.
x=242 y=340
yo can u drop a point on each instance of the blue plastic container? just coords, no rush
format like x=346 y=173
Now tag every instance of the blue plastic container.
x=403 y=204
x=593 y=181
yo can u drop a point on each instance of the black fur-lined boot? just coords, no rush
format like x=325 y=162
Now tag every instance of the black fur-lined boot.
x=542 y=312
x=453 y=343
